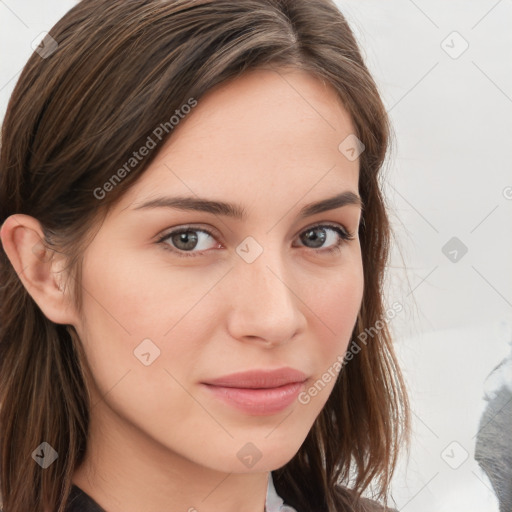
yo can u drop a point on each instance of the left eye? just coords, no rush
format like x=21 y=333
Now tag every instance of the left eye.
x=185 y=240
x=317 y=235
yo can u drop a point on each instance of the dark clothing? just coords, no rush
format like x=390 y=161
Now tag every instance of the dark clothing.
x=79 y=501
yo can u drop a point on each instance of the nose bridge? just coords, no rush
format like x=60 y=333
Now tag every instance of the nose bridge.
x=264 y=305
x=265 y=273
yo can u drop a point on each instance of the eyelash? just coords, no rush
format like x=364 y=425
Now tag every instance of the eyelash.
x=344 y=235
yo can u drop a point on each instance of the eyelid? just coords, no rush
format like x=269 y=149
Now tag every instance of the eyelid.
x=161 y=240
x=210 y=230
x=345 y=236
x=328 y=224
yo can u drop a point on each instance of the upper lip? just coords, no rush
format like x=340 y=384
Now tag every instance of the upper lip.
x=259 y=378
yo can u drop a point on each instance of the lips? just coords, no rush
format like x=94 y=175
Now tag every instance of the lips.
x=258 y=392
x=259 y=379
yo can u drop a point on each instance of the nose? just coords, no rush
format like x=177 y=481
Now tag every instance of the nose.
x=264 y=306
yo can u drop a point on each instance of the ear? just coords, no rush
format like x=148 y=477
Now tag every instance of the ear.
x=38 y=267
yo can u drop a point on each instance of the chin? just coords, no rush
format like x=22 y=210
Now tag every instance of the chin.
x=245 y=456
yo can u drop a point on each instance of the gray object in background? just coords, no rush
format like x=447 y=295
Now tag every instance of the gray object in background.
x=493 y=450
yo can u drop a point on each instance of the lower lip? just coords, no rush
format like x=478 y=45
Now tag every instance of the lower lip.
x=258 y=401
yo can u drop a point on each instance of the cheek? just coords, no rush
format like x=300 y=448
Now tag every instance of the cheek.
x=139 y=370
x=140 y=312
x=336 y=299
x=137 y=298
x=334 y=303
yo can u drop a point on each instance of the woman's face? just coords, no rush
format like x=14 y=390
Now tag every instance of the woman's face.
x=166 y=313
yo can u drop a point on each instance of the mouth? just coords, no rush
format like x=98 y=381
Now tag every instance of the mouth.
x=258 y=392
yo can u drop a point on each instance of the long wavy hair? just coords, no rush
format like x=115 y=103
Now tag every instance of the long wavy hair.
x=84 y=102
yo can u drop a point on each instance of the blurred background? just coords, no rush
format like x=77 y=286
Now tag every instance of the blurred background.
x=444 y=70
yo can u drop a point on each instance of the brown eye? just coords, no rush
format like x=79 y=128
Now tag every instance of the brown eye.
x=183 y=241
x=190 y=241
x=318 y=236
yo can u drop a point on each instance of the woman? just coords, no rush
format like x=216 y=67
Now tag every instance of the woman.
x=194 y=243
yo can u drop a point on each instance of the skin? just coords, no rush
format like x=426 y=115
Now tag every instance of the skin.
x=158 y=441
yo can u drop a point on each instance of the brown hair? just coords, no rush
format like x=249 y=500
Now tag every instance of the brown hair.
x=76 y=116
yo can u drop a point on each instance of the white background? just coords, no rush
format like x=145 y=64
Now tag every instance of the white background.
x=446 y=177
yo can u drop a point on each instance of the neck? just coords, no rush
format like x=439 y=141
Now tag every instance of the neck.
x=126 y=471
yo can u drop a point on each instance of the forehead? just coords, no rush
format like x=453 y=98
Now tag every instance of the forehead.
x=265 y=131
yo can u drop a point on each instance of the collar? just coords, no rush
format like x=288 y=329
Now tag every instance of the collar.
x=274 y=503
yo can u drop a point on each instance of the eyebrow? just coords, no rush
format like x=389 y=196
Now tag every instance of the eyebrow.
x=238 y=212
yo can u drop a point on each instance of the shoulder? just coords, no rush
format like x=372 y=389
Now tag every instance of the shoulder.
x=347 y=500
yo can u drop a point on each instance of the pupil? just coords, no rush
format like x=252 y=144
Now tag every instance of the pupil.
x=318 y=240
x=188 y=238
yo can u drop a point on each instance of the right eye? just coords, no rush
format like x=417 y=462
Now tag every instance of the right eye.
x=182 y=241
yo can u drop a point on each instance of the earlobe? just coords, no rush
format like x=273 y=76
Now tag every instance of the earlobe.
x=22 y=239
